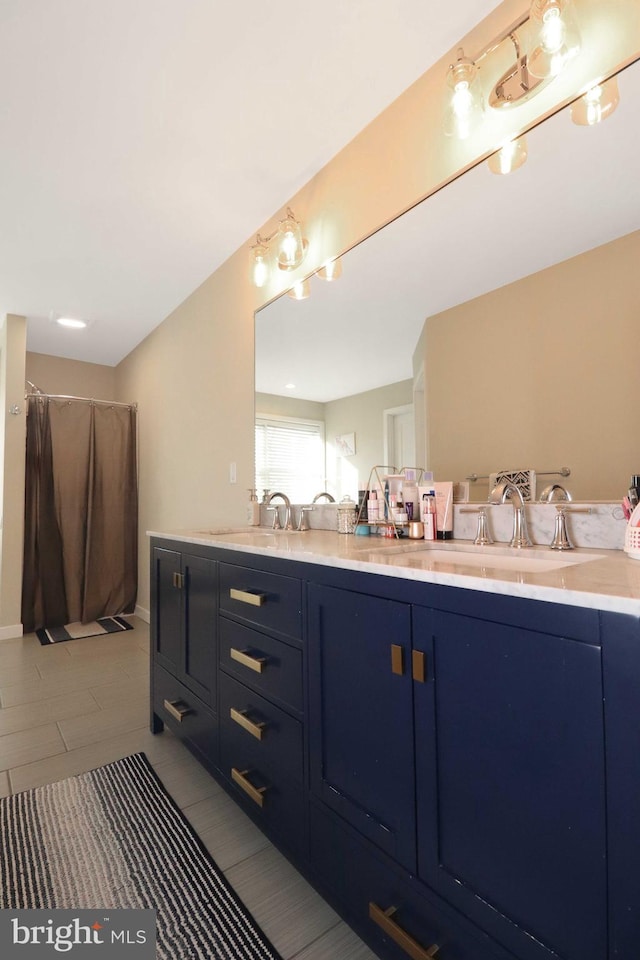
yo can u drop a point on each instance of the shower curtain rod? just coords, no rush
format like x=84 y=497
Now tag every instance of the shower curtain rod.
x=62 y=396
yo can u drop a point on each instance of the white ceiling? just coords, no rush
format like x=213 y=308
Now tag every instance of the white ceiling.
x=577 y=190
x=143 y=141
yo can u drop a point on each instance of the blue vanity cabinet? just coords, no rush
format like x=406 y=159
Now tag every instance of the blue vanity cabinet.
x=511 y=811
x=361 y=714
x=184 y=607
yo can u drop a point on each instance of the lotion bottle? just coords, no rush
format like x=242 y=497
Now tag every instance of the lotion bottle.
x=429 y=516
x=253 y=509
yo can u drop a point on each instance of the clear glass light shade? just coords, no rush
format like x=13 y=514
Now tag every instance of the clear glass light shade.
x=509 y=157
x=463 y=111
x=331 y=270
x=291 y=249
x=300 y=290
x=259 y=265
x=597 y=104
x=554 y=37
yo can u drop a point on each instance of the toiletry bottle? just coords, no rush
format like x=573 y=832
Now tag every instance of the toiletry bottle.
x=372 y=507
x=429 y=516
x=253 y=509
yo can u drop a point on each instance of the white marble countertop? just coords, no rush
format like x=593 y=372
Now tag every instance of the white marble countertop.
x=600 y=579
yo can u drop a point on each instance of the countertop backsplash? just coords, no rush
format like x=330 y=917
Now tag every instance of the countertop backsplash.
x=603 y=528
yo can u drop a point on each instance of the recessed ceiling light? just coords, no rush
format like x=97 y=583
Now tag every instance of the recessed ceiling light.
x=289 y=386
x=71 y=322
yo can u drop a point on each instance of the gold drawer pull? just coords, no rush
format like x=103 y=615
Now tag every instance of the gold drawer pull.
x=178 y=709
x=247 y=660
x=245 y=596
x=256 y=793
x=240 y=717
x=406 y=942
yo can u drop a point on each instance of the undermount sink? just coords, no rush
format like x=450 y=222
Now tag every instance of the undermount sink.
x=494 y=558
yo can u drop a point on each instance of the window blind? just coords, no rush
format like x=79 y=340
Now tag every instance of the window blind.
x=290 y=457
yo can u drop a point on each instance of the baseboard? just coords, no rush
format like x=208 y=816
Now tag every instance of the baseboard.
x=10 y=633
x=142 y=613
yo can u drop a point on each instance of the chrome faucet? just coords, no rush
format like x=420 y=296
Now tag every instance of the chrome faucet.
x=555 y=491
x=509 y=491
x=288 y=525
x=326 y=495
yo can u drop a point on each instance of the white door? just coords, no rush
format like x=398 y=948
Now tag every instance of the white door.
x=399 y=436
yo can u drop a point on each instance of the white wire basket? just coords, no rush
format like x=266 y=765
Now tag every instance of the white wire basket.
x=632 y=541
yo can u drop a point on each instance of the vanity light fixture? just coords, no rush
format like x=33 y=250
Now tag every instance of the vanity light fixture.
x=544 y=39
x=509 y=157
x=331 y=270
x=290 y=252
x=301 y=290
x=598 y=103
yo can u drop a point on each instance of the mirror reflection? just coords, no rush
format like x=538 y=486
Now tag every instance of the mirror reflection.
x=490 y=328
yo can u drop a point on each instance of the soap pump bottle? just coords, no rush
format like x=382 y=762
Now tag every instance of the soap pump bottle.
x=253 y=509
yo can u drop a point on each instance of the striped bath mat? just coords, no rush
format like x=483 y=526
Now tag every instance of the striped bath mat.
x=74 y=631
x=114 y=838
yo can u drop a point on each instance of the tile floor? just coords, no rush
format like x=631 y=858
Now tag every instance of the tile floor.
x=73 y=706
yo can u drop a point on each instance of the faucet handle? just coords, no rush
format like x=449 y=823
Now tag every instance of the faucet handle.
x=483 y=537
x=276 y=518
x=302 y=523
x=561 y=539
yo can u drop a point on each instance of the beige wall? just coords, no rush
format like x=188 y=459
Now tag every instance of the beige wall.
x=361 y=414
x=268 y=404
x=541 y=374
x=13 y=335
x=193 y=376
x=71 y=377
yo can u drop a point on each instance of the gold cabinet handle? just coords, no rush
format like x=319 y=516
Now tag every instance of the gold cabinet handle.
x=397 y=659
x=248 y=660
x=418 y=666
x=413 y=949
x=240 y=717
x=178 y=709
x=245 y=596
x=178 y=580
x=256 y=793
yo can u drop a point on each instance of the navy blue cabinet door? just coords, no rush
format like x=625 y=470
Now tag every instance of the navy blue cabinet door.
x=510 y=782
x=167 y=613
x=185 y=592
x=361 y=715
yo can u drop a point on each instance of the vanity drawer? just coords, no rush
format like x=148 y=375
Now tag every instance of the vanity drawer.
x=275 y=801
x=267 y=600
x=267 y=665
x=185 y=715
x=257 y=733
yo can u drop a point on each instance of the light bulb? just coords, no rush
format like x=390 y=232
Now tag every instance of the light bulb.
x=509 y=157
x=464 y=109
x=292 y=248
x=554 y=37
x=259 y=267
x=597 y=104
x=300 y=290
x=331 y=270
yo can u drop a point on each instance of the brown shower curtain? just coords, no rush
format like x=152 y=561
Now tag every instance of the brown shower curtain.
x=81 y=512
